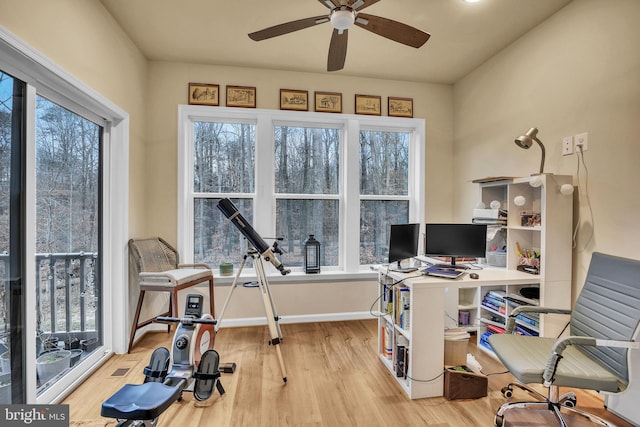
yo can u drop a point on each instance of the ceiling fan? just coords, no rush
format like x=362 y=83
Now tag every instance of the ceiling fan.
x=343 y=15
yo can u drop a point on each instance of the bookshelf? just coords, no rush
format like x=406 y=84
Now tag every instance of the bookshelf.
x=411 y=333
x=537 y=236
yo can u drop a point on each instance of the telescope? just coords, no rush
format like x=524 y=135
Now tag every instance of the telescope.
x=231 y=212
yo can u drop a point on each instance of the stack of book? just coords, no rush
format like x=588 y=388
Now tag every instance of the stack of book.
x=494 y=300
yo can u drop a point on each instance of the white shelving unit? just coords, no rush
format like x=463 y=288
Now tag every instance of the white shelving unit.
x=541 y=225
x=419 y=332
x=396 y=332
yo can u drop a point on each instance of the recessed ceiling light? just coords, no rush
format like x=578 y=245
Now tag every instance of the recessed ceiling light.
x=471 y=1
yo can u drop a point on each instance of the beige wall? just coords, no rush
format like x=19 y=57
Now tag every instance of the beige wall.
x=577 y=72
x=81 y=37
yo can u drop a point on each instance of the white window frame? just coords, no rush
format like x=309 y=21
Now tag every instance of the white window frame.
x=349 y=190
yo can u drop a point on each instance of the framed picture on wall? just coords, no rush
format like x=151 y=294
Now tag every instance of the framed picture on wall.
x=291 y=99
x=204 y=94
x=241 y=96
x=328 y=102
x=368 y=104
x=400 y=107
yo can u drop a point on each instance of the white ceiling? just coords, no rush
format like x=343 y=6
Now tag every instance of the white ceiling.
x=463 y=35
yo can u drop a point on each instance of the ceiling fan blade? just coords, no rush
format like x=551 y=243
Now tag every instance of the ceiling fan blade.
x=362 y=4
x=330 y=3
x=393 y=30
x=288 y=27
x=337 y=50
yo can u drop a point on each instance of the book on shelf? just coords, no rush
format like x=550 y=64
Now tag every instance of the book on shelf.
x=402 y=308
x=400 y=362
x=495 y=329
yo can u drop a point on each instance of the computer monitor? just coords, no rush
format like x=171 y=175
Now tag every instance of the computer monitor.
x=403 y=244
x=456 y=241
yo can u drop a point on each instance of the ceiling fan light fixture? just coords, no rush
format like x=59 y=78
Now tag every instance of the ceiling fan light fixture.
x=343 y=19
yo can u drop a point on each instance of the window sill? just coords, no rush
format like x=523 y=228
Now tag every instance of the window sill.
x=300 y=277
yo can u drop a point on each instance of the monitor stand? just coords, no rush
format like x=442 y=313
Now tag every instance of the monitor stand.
x=453 y=265
x=400 y=269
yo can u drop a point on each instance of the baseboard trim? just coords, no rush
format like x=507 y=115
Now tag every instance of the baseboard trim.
x=304 y=318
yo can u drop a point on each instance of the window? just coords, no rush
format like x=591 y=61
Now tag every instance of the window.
x=343 y=178
x=384 y=190
x=307 y=189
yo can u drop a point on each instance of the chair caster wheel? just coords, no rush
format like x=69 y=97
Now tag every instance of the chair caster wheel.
x=568 y=400
x=507 y=392
x=498 y=420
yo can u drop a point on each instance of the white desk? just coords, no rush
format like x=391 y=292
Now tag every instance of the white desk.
x=427 y=319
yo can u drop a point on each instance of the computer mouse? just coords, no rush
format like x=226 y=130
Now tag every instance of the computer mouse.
x=474 y=275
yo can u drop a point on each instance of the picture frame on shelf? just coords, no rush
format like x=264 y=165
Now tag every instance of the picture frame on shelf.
x=369 y=105
x=328 y=102
x=292 y=99
x=400 y=107
x=204 y=94
x=241 y=96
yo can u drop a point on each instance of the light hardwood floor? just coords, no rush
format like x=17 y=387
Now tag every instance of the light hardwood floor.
x=334 y=379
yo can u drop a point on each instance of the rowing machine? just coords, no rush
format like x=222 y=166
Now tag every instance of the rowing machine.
x=194 y=368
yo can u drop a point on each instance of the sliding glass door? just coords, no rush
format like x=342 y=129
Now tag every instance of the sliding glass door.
x=68 y=259
x=68 y=241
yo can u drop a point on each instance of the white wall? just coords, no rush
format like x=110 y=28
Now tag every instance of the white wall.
x=579 y=71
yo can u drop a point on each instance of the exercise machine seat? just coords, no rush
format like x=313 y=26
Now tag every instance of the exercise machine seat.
x=140 y=401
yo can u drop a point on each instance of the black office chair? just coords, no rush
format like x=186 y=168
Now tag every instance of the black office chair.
x=603 y=327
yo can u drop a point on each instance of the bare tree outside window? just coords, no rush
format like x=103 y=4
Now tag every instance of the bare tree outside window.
x=307 y=162
x=344 y=179
x=384 y=180
x=223 y=164
x=67 y=223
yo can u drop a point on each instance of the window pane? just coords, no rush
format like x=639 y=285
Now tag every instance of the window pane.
x=296 y=219
x=215 y=238
x=306 y=160
x=376 y=217
x=67 y=233
x=223 y=157
x=384 y=163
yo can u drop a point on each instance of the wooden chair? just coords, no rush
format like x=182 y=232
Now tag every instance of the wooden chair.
x=158 y=269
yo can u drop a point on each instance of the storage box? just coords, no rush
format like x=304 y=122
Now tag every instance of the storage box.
x=497 y=259
x=455 y=347
x=461 y=382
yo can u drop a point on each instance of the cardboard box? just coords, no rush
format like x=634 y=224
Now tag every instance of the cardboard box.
x=461 y=382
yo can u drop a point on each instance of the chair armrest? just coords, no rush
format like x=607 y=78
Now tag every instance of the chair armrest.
x=194 y=266
x=560 y=345
x=511 y=321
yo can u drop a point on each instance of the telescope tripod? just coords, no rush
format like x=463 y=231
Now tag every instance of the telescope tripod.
x=269 y=307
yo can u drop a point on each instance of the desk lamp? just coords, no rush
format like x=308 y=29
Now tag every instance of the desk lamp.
x=525 y=141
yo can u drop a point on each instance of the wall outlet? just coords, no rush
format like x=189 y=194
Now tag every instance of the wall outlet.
x=567 y=145
x=581 y=142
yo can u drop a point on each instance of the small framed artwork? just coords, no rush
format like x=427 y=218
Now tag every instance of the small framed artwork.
x=291 y=99
x=400 y=107
x=241 y=96
x=204 y=94
x=328 y=102
x=368 y=104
